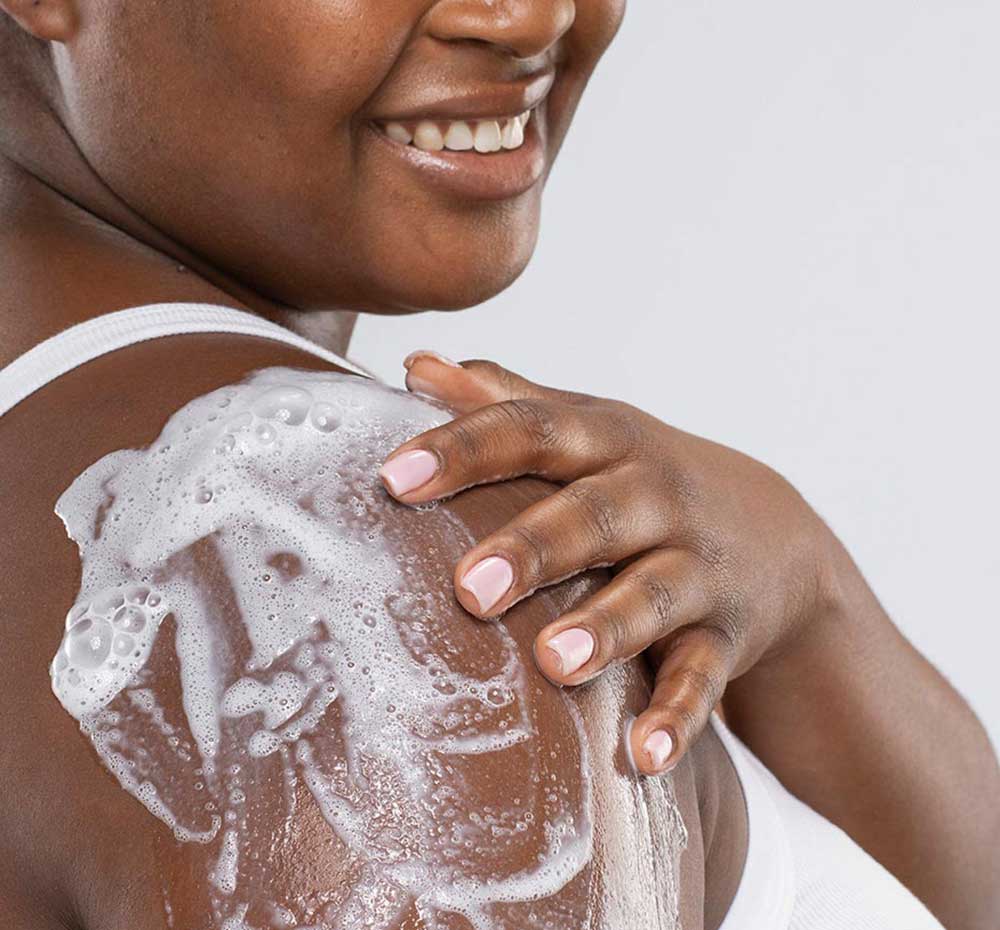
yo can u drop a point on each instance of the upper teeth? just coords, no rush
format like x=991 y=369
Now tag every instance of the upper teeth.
x=488 y=135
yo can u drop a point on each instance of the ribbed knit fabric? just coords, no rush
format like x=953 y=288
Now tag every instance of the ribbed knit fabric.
x=804 y=873
x=92 y=338
x=801 y=872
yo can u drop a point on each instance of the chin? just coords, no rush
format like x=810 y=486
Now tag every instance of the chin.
x=467 y=291
x=465 y=280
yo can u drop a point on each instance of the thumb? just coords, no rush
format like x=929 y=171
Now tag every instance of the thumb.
x=469 y=385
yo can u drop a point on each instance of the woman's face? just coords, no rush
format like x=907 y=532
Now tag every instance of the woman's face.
x=256 y=133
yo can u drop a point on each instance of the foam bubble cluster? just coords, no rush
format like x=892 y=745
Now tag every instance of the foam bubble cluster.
x=108 y=639
x=258 y=622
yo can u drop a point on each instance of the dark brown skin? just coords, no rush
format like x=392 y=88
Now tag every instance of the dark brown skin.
x=145 y=131
x=112 y=256
x=126 y=153
x=77 y=849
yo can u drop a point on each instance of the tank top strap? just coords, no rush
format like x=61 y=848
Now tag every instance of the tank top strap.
x=103 y=334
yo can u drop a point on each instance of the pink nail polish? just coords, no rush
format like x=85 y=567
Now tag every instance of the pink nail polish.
x=410 y=470
x=658 y=746
x=488 y=581
x=422 y=386
x=428 y=353
x=573 y=649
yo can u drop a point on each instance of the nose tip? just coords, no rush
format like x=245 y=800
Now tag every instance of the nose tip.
x=523 y=28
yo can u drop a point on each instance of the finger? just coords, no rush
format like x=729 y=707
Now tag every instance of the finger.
x=689 y=684
x=516 y=437
x=652 y=598
x=594 y=521
x=471 y=384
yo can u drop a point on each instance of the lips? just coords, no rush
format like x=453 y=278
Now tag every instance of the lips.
x=436 y=154
x=429 y=96
x=483 y=141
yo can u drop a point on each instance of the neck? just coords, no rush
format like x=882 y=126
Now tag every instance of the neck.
x=71 y=250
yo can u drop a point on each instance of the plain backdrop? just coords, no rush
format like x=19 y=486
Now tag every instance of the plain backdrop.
x=777 y=224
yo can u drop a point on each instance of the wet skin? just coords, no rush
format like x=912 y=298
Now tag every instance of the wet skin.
x=100 y=878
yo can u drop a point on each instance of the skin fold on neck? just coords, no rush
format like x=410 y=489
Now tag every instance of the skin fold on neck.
x=71 y=250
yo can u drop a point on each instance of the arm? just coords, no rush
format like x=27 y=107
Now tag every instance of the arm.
x=862 y=728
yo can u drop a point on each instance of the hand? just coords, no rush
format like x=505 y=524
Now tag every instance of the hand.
x=719 y=563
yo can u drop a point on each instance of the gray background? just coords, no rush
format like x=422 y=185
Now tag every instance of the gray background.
x=776 y=224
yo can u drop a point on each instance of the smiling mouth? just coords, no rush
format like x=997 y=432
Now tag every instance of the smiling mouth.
x=483 y=136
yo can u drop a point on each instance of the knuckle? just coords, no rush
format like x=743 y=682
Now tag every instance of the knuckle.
x=713 y=549
x=575 y=398
x=659 y=596
x=535 y=419
x=601 y=517
x=725 y=633
x=532 y=552
x=702 y=686
x=726 y=624
x=630 y=431
x=490 y=369
x=462 y=441
x=683 y=487
x=607 y=434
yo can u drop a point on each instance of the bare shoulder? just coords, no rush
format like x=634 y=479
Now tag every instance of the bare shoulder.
x=57 y=798
x=341 y=762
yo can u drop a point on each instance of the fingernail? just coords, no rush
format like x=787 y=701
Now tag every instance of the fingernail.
x=573 y=649
x=428 y=353
x=488 y=581
x=422 y=386
x=658 y=746
x=410 y=470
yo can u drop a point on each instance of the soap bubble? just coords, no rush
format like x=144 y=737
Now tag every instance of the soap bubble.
x=123 y=644
x=131 y=619
x=287 y=404
x=90 y=643
x=324 y=417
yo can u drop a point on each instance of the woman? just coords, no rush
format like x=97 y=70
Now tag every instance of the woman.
x=389 y=158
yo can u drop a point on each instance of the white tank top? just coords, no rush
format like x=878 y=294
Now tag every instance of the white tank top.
x=801 y=872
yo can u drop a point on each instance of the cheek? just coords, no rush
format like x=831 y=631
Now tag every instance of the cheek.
x=327 y=55
x=228 y=126
x=207 y=83
x=597 y=23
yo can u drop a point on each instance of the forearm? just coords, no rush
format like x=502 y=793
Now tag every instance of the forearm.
x=856 y=723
